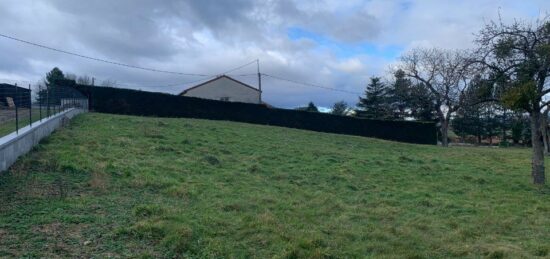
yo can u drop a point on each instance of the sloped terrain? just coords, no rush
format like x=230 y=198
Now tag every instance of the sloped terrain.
x=124 y=186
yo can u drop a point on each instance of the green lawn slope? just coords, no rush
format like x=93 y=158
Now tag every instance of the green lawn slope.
x=125 y=186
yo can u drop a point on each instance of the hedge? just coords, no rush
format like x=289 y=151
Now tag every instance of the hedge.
x=136 y=102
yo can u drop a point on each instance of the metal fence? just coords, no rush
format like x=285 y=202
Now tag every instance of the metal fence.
x=23 y=105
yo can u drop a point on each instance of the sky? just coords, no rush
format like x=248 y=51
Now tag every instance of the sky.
x=330 y=43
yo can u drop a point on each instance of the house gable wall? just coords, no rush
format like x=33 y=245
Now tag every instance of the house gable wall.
x=223 y=88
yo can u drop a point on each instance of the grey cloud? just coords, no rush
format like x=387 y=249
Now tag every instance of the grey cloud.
x=124 y=29
x=357 y=27
x=353 y=26
x=211 y=36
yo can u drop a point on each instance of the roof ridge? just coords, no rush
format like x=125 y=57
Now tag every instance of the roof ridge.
x=216 y=78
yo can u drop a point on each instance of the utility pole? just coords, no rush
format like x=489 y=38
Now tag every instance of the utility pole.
x=259 y=79
x=93 y=79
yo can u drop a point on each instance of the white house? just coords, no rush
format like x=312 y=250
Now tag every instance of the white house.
x=224 y=88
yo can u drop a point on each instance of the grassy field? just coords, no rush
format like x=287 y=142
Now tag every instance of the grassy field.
x=130 y=186
x=7 y=127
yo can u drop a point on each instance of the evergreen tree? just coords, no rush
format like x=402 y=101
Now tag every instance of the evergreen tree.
x=421 y=103
x=56 y=86
x=484 y=120
x=375 y=103
x=479 y=118
x=54 y=77
x=399 y=95
x=407 y=100
x=468 y=122
x=520 y=129
x=339 y=108
x=51 y=83
x=309 y=108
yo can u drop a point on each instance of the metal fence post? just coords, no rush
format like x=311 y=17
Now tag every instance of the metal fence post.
x=16 y=111
x=40 y=101
x=30 y=106
x=48 y=101
x=53 y=100
x=56 y=93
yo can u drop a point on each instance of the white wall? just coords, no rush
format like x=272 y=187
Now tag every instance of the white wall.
x=224 y=87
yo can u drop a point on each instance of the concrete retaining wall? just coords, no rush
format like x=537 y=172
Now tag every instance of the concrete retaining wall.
x=15 y=145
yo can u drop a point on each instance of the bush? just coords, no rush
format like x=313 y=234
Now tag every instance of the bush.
x=134 y=102
x=504 y=143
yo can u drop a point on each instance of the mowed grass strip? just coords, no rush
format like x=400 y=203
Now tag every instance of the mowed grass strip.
x=125 y=186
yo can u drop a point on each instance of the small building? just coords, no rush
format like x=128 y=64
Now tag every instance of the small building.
x=224 y=88
x=18 y=96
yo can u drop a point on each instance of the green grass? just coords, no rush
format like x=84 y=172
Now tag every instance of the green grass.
x=126 y=186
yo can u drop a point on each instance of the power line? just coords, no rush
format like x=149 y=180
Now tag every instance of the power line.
x=244 y=75
x=311 y=85
x=171 y=72
x=127 y=65
x=117 y=63
x=196 y=81
x=239 y=67
x=15 y=80
x=127 y=84
x=210 y=77
x=202 y=79
x=182 y=83
x=99 y=59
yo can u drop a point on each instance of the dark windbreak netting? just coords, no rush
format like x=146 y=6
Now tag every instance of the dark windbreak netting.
x=135 y=102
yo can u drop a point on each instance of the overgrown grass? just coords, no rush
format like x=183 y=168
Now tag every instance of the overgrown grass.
x=129 y=186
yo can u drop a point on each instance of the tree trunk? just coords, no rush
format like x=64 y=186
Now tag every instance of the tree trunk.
x=478 y=139
x=537 y=170
x=503 y=127
x=444 y=132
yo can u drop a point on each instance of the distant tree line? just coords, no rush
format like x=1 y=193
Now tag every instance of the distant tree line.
x=51 y=88
x=498 y=89
x=474 y=121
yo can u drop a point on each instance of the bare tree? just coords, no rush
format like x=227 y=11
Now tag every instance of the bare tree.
x=518 y=57
x=70 y=76
x=84 y=80
x=81 y=80
x=108 y=83
x=445 y=73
